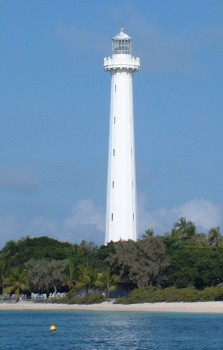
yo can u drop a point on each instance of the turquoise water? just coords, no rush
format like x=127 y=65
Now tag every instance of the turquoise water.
x=22 y=330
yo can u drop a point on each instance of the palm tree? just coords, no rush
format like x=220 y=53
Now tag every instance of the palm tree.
x=183 y=229
x=107 y=280
x=17 y=282
x=214 y=237
x=200 y=240
x=71 y=275
x=148 y=233
x=3 y=268
x=87 y=277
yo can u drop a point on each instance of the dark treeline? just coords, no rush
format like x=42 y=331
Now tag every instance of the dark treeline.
x=182 y=258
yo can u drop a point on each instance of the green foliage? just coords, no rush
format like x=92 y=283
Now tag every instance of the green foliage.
x=142 y=262
x=87 y=277
x=19 y=252
x=183 y=230
x=17 y=282
x=71 y=274
x=3 y=272
x=45 y=275
x=107 y=280
x=106 y=250
x=214 y=238
x=197 y=266
x=171 y=294
x=88 y=299
x=179 y=259
x=148 y=233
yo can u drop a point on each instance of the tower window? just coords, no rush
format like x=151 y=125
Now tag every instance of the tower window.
x=113 y=152
x=114 y=120
x=113 y=184
x=115 y=87
x=133 y=216
x=112 y=217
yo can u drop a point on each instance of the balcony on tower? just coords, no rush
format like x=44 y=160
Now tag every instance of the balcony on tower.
x=121 y=44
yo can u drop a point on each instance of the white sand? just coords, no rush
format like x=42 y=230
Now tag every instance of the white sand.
x=198 y=307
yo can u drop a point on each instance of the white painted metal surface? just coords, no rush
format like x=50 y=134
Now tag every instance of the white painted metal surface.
x=121 y=213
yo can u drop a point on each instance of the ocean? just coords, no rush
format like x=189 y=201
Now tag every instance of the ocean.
x=21 y=330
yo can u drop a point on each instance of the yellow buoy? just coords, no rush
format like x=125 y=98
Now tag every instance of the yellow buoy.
x=53 y=328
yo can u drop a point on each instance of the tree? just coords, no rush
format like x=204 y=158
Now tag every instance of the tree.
x=9 y=253
x=3 y=271
x=215 y=239
x=45 y=274
x=87 y=277
x=196 y=266
x=71 y=280
x=183 y=229
x=148 y=233
x=142 y=263
x=17 y=282
x=104 y=251
x=107 y=279
x=200 y=240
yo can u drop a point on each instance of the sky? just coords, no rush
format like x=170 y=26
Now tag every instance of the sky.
x=54 y=114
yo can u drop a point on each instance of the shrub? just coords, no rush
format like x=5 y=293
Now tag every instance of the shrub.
x=172 y=294
x=88 y=299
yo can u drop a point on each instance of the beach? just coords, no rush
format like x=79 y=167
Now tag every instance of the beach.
x=212 y=307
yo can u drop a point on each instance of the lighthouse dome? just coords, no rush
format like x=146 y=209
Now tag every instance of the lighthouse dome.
x=121 y=43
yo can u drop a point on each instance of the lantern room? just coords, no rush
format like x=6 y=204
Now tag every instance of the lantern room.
x=121 y=44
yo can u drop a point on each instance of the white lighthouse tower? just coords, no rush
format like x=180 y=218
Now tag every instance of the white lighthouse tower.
x=121 y=215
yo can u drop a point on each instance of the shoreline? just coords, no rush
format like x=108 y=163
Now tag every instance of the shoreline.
x=209 y=307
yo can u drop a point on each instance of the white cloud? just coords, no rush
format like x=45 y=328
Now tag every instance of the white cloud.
x=87 y=221
x=159 y=220
x=204 y=214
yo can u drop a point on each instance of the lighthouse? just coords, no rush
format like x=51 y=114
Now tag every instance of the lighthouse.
x=121 y=211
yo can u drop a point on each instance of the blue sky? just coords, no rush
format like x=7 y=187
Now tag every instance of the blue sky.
x=54 y=114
